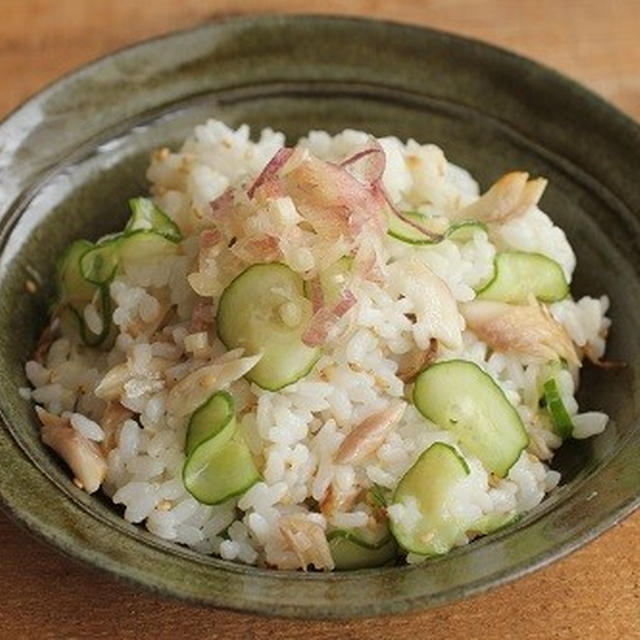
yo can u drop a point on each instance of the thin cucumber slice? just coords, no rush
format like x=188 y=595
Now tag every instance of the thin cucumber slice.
x=547 y=371
x=491 y=523
x=73 y=288
x=464 y=231
x=428 y=524
x=104 y=308
x=562 y=424
x=405 y=232
x=372 y=538
x=124 y=251
x=210 y=419
x=349 y=551
x=459 y=397
x=518 y=275
x=75 y=292
x=219 y=469
x=147 y=216
x=72 y=319
x=141 y=247
x=264 y=310
x=100 y=264
x=219 y=464
x=334 y=279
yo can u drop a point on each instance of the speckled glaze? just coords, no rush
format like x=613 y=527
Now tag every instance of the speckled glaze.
x=73 y=154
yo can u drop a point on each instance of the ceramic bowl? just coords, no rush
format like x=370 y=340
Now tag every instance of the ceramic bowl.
x=73 y=154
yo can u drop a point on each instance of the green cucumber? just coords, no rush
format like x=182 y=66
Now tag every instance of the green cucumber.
x=219 y=469
x=250 y=315
x=147 y=216
x=562 y=424
x=85 y=270
x=210 y=419
x=429 y=486
x=73 y=288
x=219 y=464
x=99 y=264
x=458 y=232
x=351 y=551
x=104 y=308
x=123 y=251
x=334 y=278
x=140 y=247
x=464 y=231
x=461 y=398
x=490 y=523
x=546 y=371
x=400 y=230
x=72 y=319
x=518 y=275
x=75 y=292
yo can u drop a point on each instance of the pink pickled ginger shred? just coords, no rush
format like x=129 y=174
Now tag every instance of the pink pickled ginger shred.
x=271 y=169
x=367 y=165
x=328 y=196
x=326 y=318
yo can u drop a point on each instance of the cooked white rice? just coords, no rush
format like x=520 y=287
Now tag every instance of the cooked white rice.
x=295 y=433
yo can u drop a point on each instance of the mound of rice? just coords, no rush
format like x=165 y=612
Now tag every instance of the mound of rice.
x=120 y=398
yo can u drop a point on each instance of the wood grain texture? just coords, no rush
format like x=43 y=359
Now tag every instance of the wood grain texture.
x=594 y=593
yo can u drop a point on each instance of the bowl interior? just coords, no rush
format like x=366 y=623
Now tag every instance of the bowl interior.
x=74 y=182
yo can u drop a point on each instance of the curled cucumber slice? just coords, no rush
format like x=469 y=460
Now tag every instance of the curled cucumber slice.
x=560 y=418
x=147 y=216
x=73 y=288
x=334 y=279
x=85 y=270
x=421 y=517
x=405 y=232
x=264 y=310
x=459 y=397
x=219 y=469
x=219 y=464
x=351 y=551
x=464 y=231
x=99 y=264
x=141 y=247
x=123 y=251
x=518 y=275
x=75 y=292
x=490 y=523
x=210 y=419
x=104 y=308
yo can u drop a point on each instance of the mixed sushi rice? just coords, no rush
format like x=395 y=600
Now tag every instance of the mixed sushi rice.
x=333 y=355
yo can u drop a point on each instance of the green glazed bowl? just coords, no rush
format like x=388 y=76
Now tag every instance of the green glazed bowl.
x=73 y=154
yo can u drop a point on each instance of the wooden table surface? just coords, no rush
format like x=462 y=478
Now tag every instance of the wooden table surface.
x=594 y=593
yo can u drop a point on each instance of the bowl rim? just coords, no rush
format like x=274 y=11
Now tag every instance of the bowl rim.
x=73 y=545
x=334 y=18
